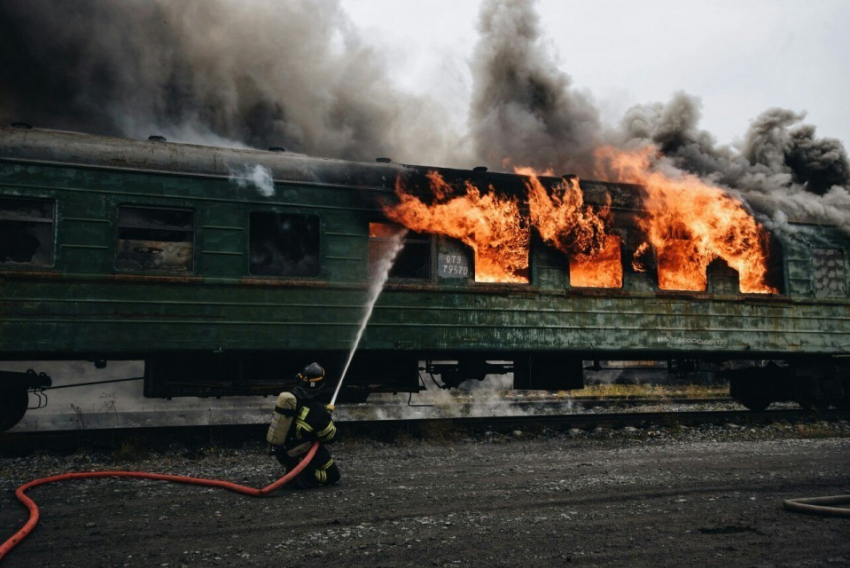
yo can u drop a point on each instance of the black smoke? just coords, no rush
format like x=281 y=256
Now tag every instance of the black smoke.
x=781 y=168
x=524 y=111
x=263 y=73
x=297 y=74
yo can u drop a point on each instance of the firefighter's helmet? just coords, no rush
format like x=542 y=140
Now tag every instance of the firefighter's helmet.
x=312 y=378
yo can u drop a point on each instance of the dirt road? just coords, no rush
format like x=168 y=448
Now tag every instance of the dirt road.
x=696 y=498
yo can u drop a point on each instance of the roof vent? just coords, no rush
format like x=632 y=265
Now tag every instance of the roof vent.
x=157 y=138
x=480 y=169
x=22 y=125
x=277 y=149
x=383 y=160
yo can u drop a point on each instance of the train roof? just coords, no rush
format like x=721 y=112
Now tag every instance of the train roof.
x=158 y=156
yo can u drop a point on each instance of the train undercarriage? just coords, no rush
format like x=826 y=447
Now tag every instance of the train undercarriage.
x=815 y=384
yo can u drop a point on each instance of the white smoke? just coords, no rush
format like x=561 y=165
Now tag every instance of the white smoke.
x=258 y=176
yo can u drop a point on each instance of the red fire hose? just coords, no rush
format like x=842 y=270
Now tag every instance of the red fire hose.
x=33 y=508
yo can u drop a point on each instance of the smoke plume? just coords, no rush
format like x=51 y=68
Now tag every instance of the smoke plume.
x=523 y=110
x=781 y=168
x=255 y=176
x=298 y=75
x=261 y=73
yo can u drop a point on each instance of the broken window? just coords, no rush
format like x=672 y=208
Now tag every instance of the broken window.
x=284 y=244
x=412 y=262
x=602 y=270
x=722 y=278
x=26 y=231
x=155 y=239
x=828 y=279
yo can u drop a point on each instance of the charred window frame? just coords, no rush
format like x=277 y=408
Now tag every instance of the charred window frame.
x=27 y=232
x=603 y=271
x=722 y=278
x=776 y=265
x=155 y=239
x=284 y=244
x=413 y=261
x=829 y=278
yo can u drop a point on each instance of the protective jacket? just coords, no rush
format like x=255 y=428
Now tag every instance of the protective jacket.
x=312 y=422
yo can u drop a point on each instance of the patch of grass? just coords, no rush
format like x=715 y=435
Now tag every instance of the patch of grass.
x=638 y=391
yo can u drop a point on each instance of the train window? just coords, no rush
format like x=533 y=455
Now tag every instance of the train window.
x=155 y=239
x=828 y=279
x=603 y=270
x=284 y=245
x=26 y=232
x=412 y=262
x=722 y=278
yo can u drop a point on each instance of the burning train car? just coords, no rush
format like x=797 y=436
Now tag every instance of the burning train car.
x=118 y=249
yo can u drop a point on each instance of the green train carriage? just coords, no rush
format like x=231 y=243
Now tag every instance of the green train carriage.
x=119 y=249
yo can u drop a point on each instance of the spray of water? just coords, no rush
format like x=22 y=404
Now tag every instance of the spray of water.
x=382 y=272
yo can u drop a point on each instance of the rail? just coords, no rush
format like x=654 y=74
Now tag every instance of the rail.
x=237 y=434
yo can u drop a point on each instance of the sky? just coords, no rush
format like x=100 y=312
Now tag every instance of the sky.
x=739 y=58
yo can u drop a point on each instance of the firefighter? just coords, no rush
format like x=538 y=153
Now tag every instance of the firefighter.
x=312 y=421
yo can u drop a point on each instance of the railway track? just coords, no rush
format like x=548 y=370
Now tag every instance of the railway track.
x=185 y=438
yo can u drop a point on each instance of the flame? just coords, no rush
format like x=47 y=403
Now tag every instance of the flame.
x=383 y=230
x=639 y=256
x=490 y=224
x=602 y=270
x=690 y=223
x=564 y=221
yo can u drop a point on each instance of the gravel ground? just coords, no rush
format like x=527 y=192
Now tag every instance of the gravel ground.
x=708 y=496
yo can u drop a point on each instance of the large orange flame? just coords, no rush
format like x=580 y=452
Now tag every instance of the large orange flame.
x=562 y=218
x=602 y=270
x=566 y=222
x=490 y=224
x=690 y=223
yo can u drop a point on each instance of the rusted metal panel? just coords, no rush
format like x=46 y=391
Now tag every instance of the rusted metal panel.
x=317 y=320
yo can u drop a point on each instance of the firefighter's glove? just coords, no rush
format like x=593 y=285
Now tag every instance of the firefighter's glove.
x=330 y=407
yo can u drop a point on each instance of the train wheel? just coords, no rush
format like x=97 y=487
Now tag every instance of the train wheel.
x=13 y=406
